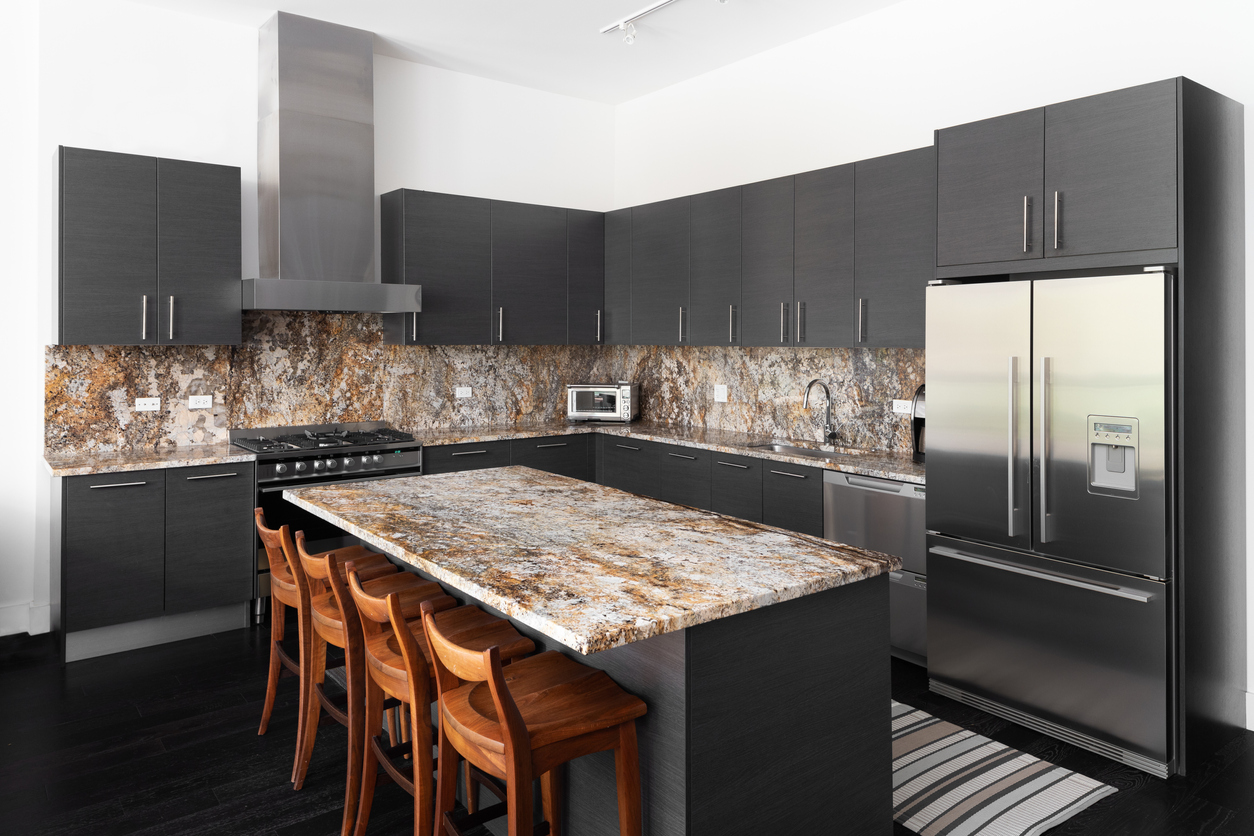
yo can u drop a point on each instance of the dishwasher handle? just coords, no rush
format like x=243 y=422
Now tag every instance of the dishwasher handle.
x=873 y=483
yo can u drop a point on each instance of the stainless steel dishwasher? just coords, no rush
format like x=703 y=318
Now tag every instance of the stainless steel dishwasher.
x=885 y=515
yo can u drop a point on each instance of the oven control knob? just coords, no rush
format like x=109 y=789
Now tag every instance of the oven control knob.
x=280 y=468
x=319 y=464
x=377 y=459
x=301 y=467
x=347 y=462
x=365 y=460
x=332 y=464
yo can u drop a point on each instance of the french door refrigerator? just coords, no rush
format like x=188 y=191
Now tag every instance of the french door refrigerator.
x=1049 y=471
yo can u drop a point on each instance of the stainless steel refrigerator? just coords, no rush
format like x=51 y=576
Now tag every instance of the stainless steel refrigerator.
x=1050 y=545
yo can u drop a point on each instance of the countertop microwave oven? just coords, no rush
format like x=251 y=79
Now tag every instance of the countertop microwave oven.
x=603 y=402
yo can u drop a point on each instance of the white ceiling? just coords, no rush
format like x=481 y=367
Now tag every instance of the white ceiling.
x=556 y=45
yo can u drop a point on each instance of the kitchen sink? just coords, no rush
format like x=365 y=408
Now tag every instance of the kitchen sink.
x=793 y=450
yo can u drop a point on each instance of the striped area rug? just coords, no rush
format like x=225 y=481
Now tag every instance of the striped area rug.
x=948 y=781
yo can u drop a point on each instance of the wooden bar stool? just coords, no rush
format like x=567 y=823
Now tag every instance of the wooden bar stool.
x=283 y=593
x=524 y=721
x=333 y=620
x=392 y=626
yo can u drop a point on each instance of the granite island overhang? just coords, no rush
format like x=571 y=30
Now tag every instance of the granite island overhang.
x=762 y=653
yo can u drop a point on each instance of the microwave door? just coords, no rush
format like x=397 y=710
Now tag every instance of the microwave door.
x=979 y=405
x=1100 y=390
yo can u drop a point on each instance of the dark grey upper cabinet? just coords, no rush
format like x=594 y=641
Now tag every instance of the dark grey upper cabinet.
x=585 y=288
x=659 y=272
x=442 y=242
x=114 y=549
x=209 y=540
x=714 y=316
x=895 y=246
x=766 y=287
x=107 y=249
x=617 y=315
x=528 y=274
x=989 y=190
x=823 y=292
x=1110 y=172
x=198 y=265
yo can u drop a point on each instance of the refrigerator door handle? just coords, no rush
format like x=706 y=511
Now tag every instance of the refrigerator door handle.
x=1044 y=451
x=1013 y=365
x=1116 y=591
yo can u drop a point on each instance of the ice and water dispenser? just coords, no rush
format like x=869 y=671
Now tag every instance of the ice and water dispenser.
x=1114 y=443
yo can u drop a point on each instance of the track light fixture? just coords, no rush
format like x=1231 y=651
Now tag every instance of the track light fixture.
x=627 y=24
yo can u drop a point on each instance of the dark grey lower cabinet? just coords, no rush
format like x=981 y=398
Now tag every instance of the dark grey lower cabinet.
x=792 y=497
x=736 y=486
x=208 y=536
x=454 y=458
x=628 y=464
x=683 y=476
x=565 y=455
x=113 y=549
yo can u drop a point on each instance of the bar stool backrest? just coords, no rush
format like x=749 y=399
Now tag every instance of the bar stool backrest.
x=278 y=543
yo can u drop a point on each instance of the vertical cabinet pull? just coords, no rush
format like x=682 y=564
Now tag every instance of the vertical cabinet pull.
x=1012 y=365
x=1025 y=223
x=682 y=315
x=1056 y=201
x=413 y=333
x=731 y=324
x=500 y=325
x=862 y=320
x=598 y=326
x=171 y=318
x=801 y=322
x=143 y=318
x=783 y=322
x=1044 y=448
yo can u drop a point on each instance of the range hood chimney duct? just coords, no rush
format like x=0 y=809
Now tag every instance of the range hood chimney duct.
x=315 y=172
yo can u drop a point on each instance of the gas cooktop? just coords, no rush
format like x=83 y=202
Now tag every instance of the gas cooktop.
x=320 y=438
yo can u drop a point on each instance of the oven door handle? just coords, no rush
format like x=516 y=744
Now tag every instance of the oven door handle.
x=283 y=487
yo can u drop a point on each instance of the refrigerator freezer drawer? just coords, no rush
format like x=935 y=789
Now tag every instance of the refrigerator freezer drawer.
x=1079 y=648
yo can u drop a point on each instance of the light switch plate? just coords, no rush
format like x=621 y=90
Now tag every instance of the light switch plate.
x=200 y=402
x=901 y=407
x=462 y=392
x=720 y=393
x=147 y=404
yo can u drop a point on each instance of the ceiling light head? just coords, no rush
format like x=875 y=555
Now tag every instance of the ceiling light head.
x=629 y=33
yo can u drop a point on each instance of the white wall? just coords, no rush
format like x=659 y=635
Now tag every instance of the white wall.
x=883 y=82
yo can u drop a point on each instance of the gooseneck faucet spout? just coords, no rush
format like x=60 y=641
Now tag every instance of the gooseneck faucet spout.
x=828 y=432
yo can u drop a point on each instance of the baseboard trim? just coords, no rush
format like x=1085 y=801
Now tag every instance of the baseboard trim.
x=101 y=641
x=15 y=618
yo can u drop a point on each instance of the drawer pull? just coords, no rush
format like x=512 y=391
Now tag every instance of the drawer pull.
x=627 y=447
x=118 y=485
x=1117 y=591
x=784 y=473
x=212 y=476
x=682 y=456
x=470 y=453
x=731 y=464
x=546 y=446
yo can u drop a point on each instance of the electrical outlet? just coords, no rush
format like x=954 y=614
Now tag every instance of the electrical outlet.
x=901 y=407
x=200 y=402
x=720 y=393
x=462 y=392
x=147 y=404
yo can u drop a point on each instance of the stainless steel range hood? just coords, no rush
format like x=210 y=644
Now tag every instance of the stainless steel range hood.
x=315 y=173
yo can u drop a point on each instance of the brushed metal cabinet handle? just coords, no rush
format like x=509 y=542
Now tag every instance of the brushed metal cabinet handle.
x=546 y=446
x=801 y=322
x=1025 y=223
x=500 y=325
x=1055 y=220
x=413 y=334
x=598 y=326
x=1117 y=591
x=627 y=447
x=143 y=318
x=1044 y=479
x=682 y=312
x=784 y=473
x=731 y=324
x=862 y=320
x=733 y=464
x=469 y=453
x=171 y=318
x=1013 y=368
x=212 y=476
x=682 y=456
x=783 y=319
x=118 y=485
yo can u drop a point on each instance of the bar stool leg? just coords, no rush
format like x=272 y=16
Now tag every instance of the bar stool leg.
x=472 y=792
x=446 y=780
x=356 y=739
x=551 y=796
x=313 y=666
x=419 y=733
x=372 y=721
x=627 y=773
x=277 y=614
x=302 y=657
x=518 y=798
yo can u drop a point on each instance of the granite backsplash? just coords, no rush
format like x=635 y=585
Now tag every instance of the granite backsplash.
x=294 y=368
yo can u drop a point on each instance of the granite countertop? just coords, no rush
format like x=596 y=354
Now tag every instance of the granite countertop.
x=863 y=462
x=86 y=464
x=589 y=566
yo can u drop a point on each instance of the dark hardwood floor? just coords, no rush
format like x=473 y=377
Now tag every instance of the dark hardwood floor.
x=164 y=740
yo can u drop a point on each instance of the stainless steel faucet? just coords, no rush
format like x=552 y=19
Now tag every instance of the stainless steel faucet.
x=828 y=432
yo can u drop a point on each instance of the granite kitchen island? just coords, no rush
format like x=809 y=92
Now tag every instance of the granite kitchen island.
x=762 y=654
